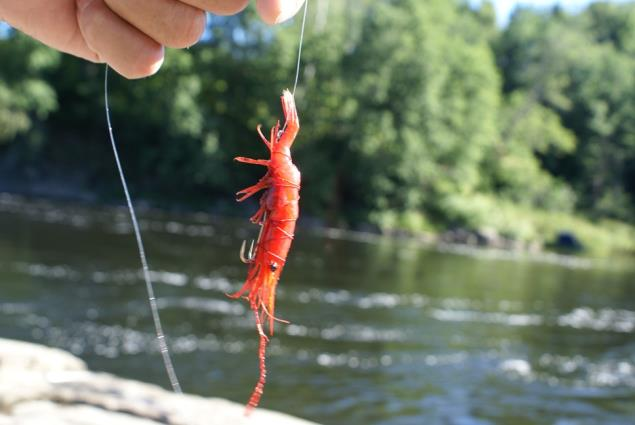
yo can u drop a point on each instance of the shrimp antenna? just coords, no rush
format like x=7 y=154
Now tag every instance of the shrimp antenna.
x=163 y=346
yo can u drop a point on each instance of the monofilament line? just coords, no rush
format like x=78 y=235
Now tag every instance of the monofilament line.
x=165 y=353
x=297 y=67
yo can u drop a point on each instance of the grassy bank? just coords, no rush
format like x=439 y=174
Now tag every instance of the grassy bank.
x=527 y=226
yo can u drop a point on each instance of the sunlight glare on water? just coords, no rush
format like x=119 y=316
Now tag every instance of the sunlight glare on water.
x=376 y=337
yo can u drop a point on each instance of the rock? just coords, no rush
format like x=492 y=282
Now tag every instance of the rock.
x=23 y=367
x=568 y=241
x=47 y=412
x=459 y=236
x=5 y=420
x=36 y=358
x=490 y=238
x=44 y=385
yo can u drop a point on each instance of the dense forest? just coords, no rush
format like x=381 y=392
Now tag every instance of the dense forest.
x=416 y=116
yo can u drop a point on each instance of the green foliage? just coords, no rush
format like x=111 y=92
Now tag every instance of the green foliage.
x=599 y=238
x=26 y=98
x=582 y=67
x=424 y=116
x=529 y=129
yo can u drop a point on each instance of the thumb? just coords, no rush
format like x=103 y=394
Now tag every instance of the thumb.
x=277 y=11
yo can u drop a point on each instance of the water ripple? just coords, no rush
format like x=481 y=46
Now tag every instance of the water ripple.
x=600 y=320
x=352 y=332
x=585 y=373
x=486 y=317
x=204 y=304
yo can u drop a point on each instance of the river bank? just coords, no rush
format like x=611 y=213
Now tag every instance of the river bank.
x=40 y=385
x=588 y=244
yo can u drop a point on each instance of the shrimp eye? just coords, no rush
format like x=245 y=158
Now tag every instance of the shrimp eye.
x=273 y=267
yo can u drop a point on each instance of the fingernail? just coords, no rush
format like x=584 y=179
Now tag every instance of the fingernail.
x=288 y=10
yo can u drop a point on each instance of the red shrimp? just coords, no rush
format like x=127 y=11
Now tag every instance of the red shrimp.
x=277 y=215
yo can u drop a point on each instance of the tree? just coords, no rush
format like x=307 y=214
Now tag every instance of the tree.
x=542 y=56
x=426 y=107
x=26 y=99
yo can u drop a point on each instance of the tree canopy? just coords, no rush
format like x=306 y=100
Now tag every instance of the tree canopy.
x=415 y=115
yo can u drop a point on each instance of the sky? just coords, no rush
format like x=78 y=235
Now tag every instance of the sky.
x=504 y=8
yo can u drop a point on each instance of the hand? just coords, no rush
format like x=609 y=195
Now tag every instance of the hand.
x=129 y=35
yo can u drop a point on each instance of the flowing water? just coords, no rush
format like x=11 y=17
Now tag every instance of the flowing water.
x=382 y=332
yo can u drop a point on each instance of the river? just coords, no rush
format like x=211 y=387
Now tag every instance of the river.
x=382 y=332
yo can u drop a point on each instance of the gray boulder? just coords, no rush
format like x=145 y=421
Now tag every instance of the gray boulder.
x=41 y=385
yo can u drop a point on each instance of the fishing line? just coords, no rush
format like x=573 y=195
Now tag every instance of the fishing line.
x=165 y=352
x=297 y=67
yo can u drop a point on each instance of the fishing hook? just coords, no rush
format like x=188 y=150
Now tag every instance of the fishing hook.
x=251 y=255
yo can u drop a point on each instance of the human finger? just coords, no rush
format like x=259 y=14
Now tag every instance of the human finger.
x=169 y=22
x=53 y=23
x=127 y=50
x=276 y=11
x=219 y=7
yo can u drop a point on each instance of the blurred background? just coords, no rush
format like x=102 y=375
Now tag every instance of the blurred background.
x=465 y=251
